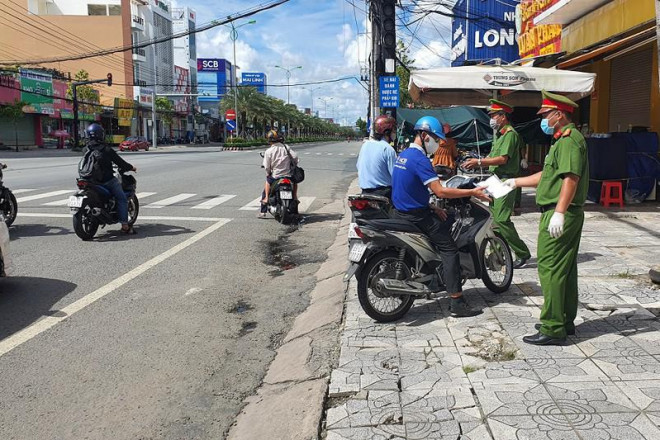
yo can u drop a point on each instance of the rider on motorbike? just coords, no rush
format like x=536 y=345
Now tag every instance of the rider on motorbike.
x=277 y=163
x=376 y=159
x=96 y=141
x=412 y=178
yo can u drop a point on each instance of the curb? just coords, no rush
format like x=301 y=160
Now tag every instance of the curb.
x=290 y=402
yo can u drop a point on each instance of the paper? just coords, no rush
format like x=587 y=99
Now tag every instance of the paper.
x=494 y=187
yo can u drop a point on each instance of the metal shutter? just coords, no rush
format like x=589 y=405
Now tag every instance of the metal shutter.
x=630 y=90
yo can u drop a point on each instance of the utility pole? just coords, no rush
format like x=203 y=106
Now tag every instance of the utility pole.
x=76 y=121
x=383 y=24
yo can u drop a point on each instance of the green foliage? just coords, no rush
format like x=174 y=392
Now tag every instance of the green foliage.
x=362 y=125
x=403 y=72
x=86 y=94
x=165 y=109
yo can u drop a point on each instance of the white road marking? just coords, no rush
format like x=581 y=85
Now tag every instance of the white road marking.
x=144 y=195
x=44 y=195
x=318 y=154
x=48 y=322
x=252 y=206
x=57 y=203
x=154 y=218
x=305 y=203
x=21 y=191
x=193 y=291
x=170 y=201
x=341 y=154
x=353 y=154
x=329 y=154
x=212 y=203
x=306 y=153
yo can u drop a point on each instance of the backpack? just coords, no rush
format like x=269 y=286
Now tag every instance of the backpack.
x=89 y=167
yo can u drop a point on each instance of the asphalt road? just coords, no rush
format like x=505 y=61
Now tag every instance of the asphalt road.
x=160 y=335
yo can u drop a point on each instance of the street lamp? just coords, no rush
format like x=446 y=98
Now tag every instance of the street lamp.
x=234 y=36
x=312 y=92
x=325 y=101
x=288 y=77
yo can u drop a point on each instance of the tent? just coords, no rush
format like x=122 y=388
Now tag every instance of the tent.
x=469 y=125
x=475 y=85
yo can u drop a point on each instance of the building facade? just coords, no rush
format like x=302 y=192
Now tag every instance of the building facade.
x=185 y=58
x=215 y=79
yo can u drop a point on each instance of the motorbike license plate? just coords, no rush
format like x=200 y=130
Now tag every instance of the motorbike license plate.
x=75 y=202
x=286 y=195
x=357 y=252
x=351 y=231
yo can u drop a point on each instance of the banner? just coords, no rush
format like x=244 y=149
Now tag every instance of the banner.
x=538 y=40
x=37 y=87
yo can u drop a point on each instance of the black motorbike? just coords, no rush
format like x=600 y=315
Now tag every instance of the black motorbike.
x=395 y=262
x=281 y=204
x=93 y=205
x=8 y=203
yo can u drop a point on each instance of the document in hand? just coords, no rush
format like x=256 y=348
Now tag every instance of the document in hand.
x=495 y=187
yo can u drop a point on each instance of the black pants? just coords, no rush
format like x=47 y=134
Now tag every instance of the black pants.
x=440 y=235
x=385 y=191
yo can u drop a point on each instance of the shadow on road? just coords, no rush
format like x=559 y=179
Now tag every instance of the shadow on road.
x=34 y=230
x=23 y=300
x=146 y=230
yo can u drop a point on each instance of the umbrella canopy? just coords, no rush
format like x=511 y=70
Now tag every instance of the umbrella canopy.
x=475 y=85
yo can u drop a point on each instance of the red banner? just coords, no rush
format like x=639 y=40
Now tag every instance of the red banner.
x=537 y=40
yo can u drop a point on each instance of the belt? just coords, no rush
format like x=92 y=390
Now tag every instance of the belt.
x=552 y=206
x=378 y=188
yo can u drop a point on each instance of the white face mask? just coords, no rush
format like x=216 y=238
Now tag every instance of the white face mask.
x=431 y=145
x=493 y=124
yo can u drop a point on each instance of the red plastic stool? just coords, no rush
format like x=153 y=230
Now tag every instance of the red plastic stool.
x=611 y=193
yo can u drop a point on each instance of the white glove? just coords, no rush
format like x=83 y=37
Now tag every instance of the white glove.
x=511 y=183
x=523 y=164
x=556 y=226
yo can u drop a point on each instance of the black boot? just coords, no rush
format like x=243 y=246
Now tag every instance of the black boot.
x=459 y=308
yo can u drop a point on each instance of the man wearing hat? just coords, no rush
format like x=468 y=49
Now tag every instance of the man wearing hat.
x=561 y=193
x=504 y=161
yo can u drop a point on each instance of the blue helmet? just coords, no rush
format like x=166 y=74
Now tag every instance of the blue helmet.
x=431 y=125
x=95 y=132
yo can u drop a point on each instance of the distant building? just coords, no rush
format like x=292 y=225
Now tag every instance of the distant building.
x=214 y=76
x=185 y=57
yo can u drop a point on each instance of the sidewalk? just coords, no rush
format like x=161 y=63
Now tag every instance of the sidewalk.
x=430 y=376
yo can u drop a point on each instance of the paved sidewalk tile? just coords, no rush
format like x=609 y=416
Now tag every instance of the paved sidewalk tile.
x=430 y=376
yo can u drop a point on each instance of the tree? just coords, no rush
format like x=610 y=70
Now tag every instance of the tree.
x=165 y=109
x=87 y=95
x=13 y=112
x=361 y=125
x=403 y=72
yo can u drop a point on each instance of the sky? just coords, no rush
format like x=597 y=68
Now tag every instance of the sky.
x=326 y=37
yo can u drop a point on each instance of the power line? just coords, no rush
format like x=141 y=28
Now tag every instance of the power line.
x=211 y=25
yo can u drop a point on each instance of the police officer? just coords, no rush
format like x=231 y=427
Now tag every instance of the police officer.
x=504 y=162
x=561 y=193
x=412 y=178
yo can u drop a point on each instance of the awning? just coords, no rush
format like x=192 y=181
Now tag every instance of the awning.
x=567 y=11
x=475 y=85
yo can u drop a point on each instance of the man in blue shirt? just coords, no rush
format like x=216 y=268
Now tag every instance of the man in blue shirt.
x=412 y=178
x=376 y=159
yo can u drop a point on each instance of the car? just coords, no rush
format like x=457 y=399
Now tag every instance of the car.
x=5 y=261
x=134 y=143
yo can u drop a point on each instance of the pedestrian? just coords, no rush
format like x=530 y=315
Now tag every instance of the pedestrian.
x=504 y=162
x=561 y=190
x=376 y=159
x=412 y=180
x=447 y=151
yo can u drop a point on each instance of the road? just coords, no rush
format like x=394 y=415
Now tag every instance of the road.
x=160 y=335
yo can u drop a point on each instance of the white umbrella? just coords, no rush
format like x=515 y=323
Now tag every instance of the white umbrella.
x=475 y=85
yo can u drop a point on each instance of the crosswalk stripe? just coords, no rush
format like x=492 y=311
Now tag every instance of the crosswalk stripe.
x=318 y=154
x=63 y=202
x=305 y=203
x=306 y=153
x=144 y=195
x=169 y=201
x=212 y=203
x=341 y=154
x=252 y=206
x=21 y=191
x=44 y=195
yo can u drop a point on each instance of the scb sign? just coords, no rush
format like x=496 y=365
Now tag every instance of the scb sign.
x=210 y=64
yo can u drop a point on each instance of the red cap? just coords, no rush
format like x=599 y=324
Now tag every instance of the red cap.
x=499 y=106
x=553 y=101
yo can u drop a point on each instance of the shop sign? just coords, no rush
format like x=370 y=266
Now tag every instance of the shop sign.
x=124 y=122
x=9 y=88
x=124 y=109
x=37 y=87
x=539 y=40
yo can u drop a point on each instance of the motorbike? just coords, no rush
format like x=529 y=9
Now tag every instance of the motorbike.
x=395 y=262
x=93 y=205
x=8 y=203
x=281 y=204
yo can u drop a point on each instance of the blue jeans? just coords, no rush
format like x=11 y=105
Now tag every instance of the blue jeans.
x=120 y=198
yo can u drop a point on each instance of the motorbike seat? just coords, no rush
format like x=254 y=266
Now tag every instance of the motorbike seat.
x=390 y=224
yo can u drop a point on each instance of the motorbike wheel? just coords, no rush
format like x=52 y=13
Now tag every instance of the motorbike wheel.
x=382 y=308
x=496 y=264
x=133 y=209
x=10 y=209
x=287 y=215
x=84 y=225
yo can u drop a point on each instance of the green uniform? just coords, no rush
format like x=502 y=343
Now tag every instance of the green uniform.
x=508 y=143
x=557 y=257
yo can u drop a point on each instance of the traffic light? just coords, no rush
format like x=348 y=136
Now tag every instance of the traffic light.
x=388 y=28
x=109 y=79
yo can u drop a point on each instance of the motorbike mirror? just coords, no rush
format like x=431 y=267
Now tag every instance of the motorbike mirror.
x=261 y=154
x=443 y=172
x=4 y=165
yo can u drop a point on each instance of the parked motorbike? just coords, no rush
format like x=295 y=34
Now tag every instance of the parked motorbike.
x=396 y=263
x=93 y=205
x=8 y=203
